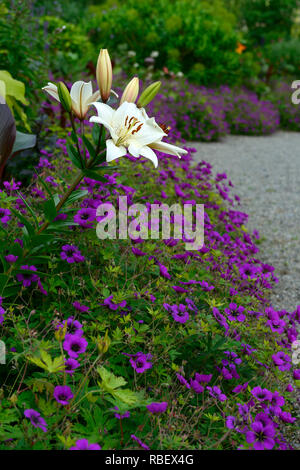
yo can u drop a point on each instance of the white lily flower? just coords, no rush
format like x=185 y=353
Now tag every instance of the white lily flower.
x=131 y=128
x=82 y=96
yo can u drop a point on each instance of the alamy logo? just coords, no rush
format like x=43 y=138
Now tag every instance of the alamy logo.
x=152 y=221
x=296 y=95
x=2 y=352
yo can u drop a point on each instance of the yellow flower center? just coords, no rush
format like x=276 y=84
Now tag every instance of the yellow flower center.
x=131 y=126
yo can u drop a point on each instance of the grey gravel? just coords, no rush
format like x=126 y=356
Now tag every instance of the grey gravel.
x=265 y=171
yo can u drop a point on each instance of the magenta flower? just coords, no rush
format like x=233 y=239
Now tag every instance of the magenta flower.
x=71 y=254
x=156 y=408
x=135 y=438
x=5 y=215
x=180 y=314
x=296 y=374
x=85 y=217
x=182 y=380
x=121 y=416
x=75 y=345
x=140 y=361
x=164 y=271
x=11 y=258
x=63 y=394
x=36 y=420
x=261 y=394
x=71 y=365
x=199 y=381
x=27 y=277
x=282 y=361
x=83 y=444
x=80 y=308
x=235 y=312
x=261 y=436
x=216 y=392
x=112 y=305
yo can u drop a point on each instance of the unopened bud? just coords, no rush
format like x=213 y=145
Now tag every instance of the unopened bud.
x=131 y=91
x=104 y=74
x=64 y=96
x=103 y=343
x=60 y=333
x=148 y=94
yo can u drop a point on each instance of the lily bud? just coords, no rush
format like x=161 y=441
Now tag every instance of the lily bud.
x=148 y=94
x=131 y=91
x=64 y=97
x=104 y=74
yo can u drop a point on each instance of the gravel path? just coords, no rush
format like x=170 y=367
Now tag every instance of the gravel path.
x=266 y=174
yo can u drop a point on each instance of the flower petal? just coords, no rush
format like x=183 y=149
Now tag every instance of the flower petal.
x=148 y=153
x=81 y=91
x=168 y=148
x=52 y=90
x=113 y=152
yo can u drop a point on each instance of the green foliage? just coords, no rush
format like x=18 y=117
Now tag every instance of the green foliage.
x=190 y=38
x=68 y=48
x=268 y=20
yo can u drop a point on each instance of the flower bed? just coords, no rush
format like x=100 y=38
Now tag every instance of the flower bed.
x=121 y=344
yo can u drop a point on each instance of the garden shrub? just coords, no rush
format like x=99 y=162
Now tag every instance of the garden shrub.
x=206 y=54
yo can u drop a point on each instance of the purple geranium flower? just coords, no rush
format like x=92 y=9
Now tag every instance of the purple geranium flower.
x=216 y=393
x=157 y=407
x=135 y=438
x=296 y=374
x=112 y=305
x=199 y=381
x=182 y=380
x=81 y=308
x=75 y=345
x=179 y=313
x=83 y=444
x=71 y=365
x=11 y=258
x=235 y=312
x=85 y=217
x=282 y=360
x=27 y=278
x=261 y=436
x=123 y=415
x=71 y=254
x=63 y=394
x=5 y=215
x=140 y=361
x=262 y=394
x=35 y=418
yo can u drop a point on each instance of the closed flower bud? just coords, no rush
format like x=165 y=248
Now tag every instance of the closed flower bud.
x=103 y=343
x=104 y=74
x=148 y=94
x=64 y=97
x=60 y=333
x=131 y=91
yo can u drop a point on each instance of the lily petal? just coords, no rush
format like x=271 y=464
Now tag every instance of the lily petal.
x=113 y=152
x=51 y=89
x=81 y=91
x=168 y=148
x=147 y=152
